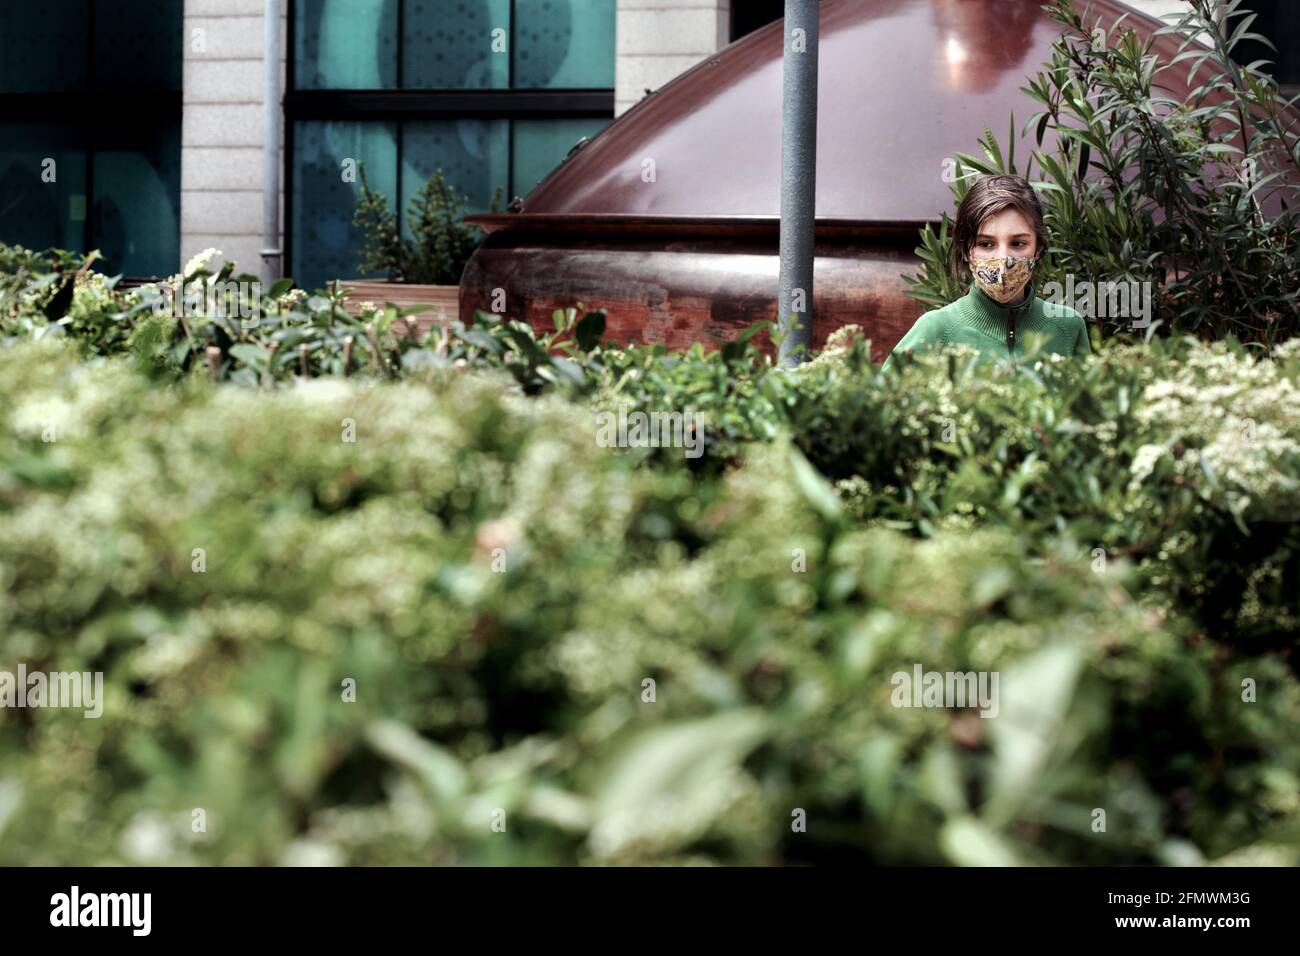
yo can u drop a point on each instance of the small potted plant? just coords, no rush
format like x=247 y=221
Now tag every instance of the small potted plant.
x=425 y=269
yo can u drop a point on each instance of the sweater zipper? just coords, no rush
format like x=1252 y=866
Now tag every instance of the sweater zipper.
x=1011 y=336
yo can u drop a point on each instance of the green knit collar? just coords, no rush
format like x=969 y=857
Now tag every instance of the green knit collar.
x=991 y=317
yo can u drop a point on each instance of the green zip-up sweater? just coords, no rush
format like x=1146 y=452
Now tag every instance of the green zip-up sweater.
x=998 y=331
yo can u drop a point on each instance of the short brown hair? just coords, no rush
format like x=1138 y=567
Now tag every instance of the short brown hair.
x=989 y=196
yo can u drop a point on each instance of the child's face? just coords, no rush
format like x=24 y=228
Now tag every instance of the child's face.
x=1006 y=233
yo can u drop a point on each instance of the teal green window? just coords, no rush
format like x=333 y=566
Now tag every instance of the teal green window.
x=345 y=45
x=322 y=199
x=561 y=45
x=455 y=46
x=471 y=153
x=495 y=93
x=541 y=143
x=90 y=119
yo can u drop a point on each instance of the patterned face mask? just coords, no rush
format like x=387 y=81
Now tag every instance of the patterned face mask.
x=1002 y=278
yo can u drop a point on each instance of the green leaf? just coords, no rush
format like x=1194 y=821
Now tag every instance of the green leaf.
x=681 y=761
x=57 y=307
x=966 y=841
x=569 y=369
x=11 y=797
x=413 y=310
x=590 y=330
x=279 y=288
x=815 y=490
x=483 y=341
x=1034 y=696
x=250 y=354
x=435 y=766
x=523 y=340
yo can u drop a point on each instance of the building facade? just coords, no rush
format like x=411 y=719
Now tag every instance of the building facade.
x=151 y=144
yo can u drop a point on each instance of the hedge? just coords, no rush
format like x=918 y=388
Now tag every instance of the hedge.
x=498 y=592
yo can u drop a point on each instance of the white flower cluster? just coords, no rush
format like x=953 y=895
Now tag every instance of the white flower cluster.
x=200 y=261
x=291 y=300
x=1237 y=420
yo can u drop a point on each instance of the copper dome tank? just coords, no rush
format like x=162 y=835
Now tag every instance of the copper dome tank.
x=669 y=218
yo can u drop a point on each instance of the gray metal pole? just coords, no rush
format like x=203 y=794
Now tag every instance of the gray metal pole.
x=798 y=177
x=272 y=267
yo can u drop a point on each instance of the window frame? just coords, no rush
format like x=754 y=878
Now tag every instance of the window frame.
x=400 y=105
x=96 y=115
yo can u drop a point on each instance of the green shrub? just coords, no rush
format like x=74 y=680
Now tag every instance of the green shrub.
x=522 y=689
x=440 y=244
x=1116 y=538
x=228 y=328
x=1181 y=457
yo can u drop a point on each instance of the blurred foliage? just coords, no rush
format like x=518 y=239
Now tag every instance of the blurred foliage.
x=1180 y=457
x=1141 y=187
x=500 y=589
x=223 y=325
x=432 y=518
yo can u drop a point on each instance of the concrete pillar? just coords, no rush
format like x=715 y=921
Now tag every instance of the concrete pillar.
x=222 y=131
x=659 y=39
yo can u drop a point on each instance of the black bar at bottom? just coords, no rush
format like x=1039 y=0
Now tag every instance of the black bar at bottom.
x=917 y=906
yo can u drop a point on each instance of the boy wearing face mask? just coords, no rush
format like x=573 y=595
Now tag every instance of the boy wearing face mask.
x=998 y=239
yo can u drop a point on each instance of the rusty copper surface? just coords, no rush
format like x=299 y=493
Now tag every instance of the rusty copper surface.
x=692 y=289
x=669 y=218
